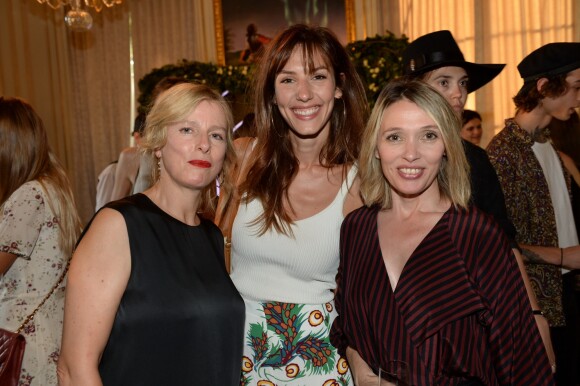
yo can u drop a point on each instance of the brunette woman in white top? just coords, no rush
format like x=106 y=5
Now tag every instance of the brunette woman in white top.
x=310 y=109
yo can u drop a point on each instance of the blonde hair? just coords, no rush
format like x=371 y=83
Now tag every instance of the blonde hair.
x=26 y=156
x=175 y=104
x=453 y=176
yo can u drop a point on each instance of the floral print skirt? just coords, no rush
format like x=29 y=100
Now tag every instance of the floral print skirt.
x=288 y=344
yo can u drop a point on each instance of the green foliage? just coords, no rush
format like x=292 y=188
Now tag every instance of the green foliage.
x=235 y=79
x=376 y=59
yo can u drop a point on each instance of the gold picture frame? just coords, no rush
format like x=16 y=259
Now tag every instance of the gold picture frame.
x=220 y=28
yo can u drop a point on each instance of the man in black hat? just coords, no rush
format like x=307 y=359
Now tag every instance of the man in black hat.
x=536 y=189
x=436 y=59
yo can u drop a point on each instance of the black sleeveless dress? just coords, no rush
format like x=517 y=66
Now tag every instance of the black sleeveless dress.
x=180 y=320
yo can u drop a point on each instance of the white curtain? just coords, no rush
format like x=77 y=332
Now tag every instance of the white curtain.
x=81 y=83
x=33 y=55
x=99 y=99
x=165 y=32
x=487 y=31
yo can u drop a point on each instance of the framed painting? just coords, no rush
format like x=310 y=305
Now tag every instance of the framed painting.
x=243 y=27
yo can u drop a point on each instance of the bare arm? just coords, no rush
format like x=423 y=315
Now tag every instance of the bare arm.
x=125 y=173
x=541 y=321
x=97 y=278
x=362 y=374
x=567 y=257
x=6 y=261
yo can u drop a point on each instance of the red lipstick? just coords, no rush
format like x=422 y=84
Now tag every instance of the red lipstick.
x=200 y=163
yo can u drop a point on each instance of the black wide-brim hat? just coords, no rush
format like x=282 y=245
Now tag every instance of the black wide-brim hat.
x=439 y=49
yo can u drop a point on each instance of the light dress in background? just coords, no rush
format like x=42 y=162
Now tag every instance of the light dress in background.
x=29 y=230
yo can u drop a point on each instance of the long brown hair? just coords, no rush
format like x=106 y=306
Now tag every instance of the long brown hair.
x=26 y=156
x=274 y=163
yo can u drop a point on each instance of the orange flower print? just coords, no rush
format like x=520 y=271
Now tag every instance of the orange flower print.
x=263 y=382
x=315 y=318
x=247 y=365
x=331 y=382
x=342 y=366
x=329 y=307
x=292 y=370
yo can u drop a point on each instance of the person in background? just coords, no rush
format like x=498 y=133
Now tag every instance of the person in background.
x=128 y=163
x=247 y=127
x=105 y=185
x=536 y=189
x=39 y=226
x=129 y=166
x=565 y=135
x=471 y=129
x=436 y=59
x=144 y=179
x=424 y=277
x=149 y=301
x=310 y=108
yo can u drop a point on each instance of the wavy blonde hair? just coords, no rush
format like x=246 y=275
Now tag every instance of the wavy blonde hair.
x=26 y=156
x=453 y=176
x=175 y=104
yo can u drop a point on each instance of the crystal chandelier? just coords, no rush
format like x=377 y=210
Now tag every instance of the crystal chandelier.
x=77 y=18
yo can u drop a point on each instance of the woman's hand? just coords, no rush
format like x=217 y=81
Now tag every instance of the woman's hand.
x=362 y=374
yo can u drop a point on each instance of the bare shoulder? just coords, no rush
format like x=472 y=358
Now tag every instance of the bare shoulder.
x=128 y=155
x=105 y=245
x=129 y=151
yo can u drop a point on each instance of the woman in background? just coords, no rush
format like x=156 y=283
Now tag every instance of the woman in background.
x=39 y=226
x=471 y=130
x=149 y=301
x=425 y=278
x=310 y=109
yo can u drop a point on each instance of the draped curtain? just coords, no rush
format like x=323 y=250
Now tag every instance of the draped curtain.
x=487 y=31
x=83 y=85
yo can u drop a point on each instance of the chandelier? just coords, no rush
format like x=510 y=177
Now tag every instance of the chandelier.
x=77 y=18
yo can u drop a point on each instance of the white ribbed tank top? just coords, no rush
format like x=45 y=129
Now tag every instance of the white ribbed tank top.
x=275 y=267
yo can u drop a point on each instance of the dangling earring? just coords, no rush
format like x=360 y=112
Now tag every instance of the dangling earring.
x=159 y=165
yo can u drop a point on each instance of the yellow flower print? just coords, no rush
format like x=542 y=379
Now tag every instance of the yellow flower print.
x=247 y=364
x=315 y=318
x=342 y=366
x=292 y=370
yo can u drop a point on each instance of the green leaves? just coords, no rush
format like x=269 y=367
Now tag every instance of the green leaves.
x=377 y=60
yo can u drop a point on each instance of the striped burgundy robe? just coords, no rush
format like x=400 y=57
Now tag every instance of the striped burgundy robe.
x=459 y=311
